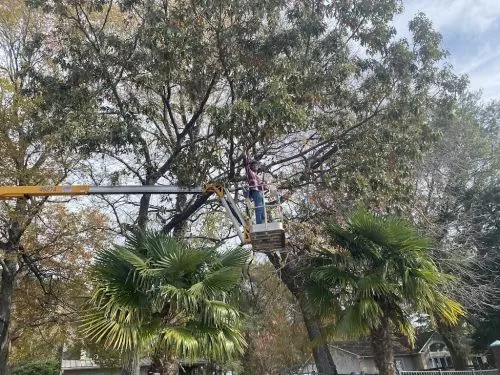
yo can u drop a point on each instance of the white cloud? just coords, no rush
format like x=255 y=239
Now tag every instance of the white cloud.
x=464 y=16
x=482 y=67
x=486 y=79
x=486 y=56
x=471 y=33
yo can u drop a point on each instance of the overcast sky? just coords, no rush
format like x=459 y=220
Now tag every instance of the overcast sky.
x=471 y=33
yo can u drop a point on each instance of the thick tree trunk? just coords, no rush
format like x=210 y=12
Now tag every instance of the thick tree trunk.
x=381 y=340
x=459 y=357
x=170 y=369
x=164 y=364
x=142 y=218
x=9 y=268
x=181 y=227
x=321 y=353
x=185 y=214
x=459 y=350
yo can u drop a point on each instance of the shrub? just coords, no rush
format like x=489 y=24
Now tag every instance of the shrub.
x=50 y=367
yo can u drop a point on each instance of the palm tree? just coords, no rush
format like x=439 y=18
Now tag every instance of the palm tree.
x=375 y=277
x=157 y=296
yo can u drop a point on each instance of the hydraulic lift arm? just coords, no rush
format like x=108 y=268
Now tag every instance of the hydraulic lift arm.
x=268 y=236
x=19 y=192
x=232 y=211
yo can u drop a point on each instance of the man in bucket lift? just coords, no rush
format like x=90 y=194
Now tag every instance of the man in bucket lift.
x=255 y=187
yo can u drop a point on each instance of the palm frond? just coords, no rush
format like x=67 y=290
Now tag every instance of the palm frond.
x=214 y=313
x=156 y=292
x=331 y=275
x=403 y=323
x=385 y=269
x=445 y=308
x=345 y=239
x=179 y=262
x=236 y=257
x=133 y=259
x=181 y=299
x=115 y=328
x=368 y=227
x=374 y=286
x=356 y=320
x=223 y=279
x=220 y=343
x=180 y=341
x=324 y=301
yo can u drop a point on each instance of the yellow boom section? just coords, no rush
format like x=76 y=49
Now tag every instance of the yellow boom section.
x=16 y=192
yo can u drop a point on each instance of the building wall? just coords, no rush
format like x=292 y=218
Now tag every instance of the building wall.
x=345 y=362
x=348 y=363
x=368 y=366
x=408 y=362
x=404 y=363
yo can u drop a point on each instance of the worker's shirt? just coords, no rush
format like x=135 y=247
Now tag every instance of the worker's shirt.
x=252 y=177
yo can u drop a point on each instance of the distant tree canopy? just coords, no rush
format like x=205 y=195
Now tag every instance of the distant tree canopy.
x=456 y=201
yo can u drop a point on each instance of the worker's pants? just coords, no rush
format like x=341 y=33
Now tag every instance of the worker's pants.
x=258 y=200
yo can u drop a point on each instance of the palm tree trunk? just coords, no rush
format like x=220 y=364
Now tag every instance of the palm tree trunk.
x=381 y=339
x=169 y=367
x=130 y=364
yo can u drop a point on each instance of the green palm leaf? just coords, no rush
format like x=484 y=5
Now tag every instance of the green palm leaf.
x=156 y=293
x=382 y=273
x=374 y=286
x=237 y=257
x=221 y=280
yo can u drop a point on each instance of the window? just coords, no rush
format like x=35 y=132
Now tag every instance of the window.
x=437 y=347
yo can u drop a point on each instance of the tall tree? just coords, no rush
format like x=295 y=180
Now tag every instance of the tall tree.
x=457 y=203
x=160 y=297
x=44 y=311
x=30 y=151
x=321 y=91
x=377 y=274
x=169 y=76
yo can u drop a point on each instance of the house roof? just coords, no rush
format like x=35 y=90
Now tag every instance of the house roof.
x=81 y=364
x=422 y=339
x=362 y=347
x=78 y=364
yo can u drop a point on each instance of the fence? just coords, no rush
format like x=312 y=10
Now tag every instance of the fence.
x=433 y=372
x=442 y=372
